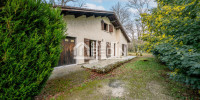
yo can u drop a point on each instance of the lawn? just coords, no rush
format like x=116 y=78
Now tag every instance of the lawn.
x=141 y=78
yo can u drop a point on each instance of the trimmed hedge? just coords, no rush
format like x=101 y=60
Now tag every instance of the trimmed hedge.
x=30 y=39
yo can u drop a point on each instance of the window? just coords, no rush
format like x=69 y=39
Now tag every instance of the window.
x=104 y=26
x=92 y=48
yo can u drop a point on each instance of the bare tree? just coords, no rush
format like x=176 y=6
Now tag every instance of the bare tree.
x=80 y=3
x=124 y=15
x=141 y=6
x=122 y=12
x=130 y=29
x=76 y=3
x=65 y=2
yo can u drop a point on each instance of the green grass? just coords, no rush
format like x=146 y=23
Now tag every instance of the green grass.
x=143 y=76
x=64 y=84
x=145 y=70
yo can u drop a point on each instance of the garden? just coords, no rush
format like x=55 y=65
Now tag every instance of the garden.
x=30 y=45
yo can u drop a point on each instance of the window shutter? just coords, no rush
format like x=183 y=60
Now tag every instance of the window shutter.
x=102 y=25
x=107 y=27
x=110 y=28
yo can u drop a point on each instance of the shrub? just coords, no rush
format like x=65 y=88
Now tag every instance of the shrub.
x=174 y=37
x=30 y=40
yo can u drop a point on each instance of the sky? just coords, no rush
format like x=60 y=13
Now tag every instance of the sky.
x=102 y=4
x=107 y=4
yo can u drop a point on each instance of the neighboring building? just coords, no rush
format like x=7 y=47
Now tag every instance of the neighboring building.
x=92 y=35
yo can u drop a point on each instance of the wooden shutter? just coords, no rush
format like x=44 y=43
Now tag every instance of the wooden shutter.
x=94 y=43
x=110 y=28
x=108 y=49
x=99 y=50
x=122 y=49
x=86 y=51
x=102 y=25
x=106 y=27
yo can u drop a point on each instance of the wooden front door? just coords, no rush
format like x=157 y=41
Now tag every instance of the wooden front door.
x=67 y=55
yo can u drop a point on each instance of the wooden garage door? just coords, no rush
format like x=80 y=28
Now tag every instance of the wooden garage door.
x=67 y=55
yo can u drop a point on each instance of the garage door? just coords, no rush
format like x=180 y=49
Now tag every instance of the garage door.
x=67 y=55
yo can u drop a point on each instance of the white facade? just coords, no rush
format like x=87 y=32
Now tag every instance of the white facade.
x=90 y=28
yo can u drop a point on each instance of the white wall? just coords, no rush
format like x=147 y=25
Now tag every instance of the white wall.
x=90 y=28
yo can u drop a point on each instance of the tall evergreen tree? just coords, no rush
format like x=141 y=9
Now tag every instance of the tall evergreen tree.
x=30 y=41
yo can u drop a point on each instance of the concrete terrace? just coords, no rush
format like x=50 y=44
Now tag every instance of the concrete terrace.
x=61 y=71
x=106 y=62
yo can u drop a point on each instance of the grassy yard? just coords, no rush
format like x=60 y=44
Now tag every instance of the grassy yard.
x=141 y=78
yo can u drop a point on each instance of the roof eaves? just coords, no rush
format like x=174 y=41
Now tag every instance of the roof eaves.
x=77 y=9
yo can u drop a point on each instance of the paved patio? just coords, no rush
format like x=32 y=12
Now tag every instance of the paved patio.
x=105 y=63
x=61 y=71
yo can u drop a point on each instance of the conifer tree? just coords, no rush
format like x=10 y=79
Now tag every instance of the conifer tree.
x=30 y=39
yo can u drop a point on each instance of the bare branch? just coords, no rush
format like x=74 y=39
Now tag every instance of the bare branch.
x=122 y=13
x=141 y=6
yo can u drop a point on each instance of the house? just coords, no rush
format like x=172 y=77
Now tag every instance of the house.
x=92 y=35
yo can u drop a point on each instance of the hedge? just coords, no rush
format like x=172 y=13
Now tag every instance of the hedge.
x=30 y=39
x=174 y=37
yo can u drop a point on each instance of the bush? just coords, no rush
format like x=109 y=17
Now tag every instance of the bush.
x=174 y=37
x=2 y=3
x=30 y=38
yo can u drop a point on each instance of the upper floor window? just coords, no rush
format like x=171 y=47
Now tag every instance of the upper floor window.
x=105 y=26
